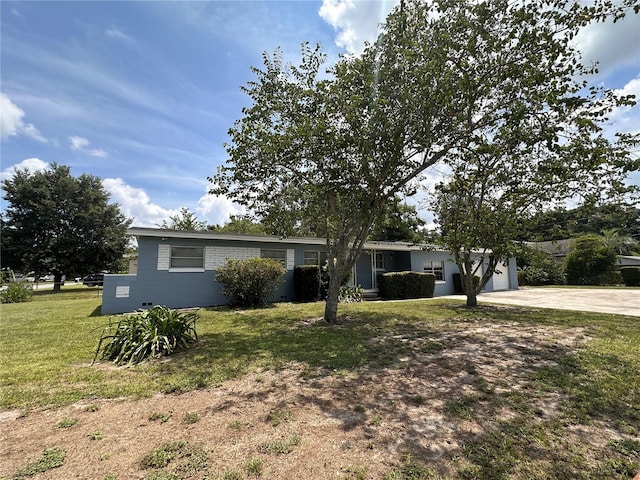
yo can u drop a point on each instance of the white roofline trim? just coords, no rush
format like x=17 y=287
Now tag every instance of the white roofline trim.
x=208 y=235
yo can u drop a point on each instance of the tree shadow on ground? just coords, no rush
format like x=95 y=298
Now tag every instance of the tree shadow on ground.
x=488 y=383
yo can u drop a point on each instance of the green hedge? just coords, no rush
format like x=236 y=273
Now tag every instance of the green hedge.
x=306 y=281
x=457 y=282
x=631 y=276
x=400 y=285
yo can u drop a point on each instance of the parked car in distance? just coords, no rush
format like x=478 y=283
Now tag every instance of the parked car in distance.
x=94 y=280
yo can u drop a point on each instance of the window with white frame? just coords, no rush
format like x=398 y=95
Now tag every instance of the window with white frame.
x=187 y=257
x=314 y=257
x=279 y=255
x=435 y=267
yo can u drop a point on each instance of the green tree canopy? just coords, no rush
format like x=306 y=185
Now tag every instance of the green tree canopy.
x=562 y=223
x=60 y=224
x=534 y=134
x=398 y=222
x=245 y=224
x=444 y=79
x=185 y=220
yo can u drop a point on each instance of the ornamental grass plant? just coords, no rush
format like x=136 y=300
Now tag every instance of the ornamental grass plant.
x=148 y=334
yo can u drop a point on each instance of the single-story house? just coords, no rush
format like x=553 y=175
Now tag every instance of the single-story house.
x=178 y=268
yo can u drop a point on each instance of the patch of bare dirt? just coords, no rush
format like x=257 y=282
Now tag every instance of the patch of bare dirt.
x=367 y=419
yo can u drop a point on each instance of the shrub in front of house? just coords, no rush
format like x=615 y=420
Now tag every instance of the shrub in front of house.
x=148 y=334
x=457 y=282
x=306 y=282
x=631 y=276
x=534 y=276
x=590 y=261
x=401 y=285
x=17 y=291
x=351 y=294
x=614 y=278
x=250 y=282
x=539 y=268
x=543 y=273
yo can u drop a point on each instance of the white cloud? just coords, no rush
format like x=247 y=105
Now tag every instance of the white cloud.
x=31 y=164
x=98 y=153
x=11 y=123
x=627 y=119
x=216 y=210
x=612 y=45
x=78 y=143
x=116 y=33
x=135 y=203
x=81 y=144
x=355 y=22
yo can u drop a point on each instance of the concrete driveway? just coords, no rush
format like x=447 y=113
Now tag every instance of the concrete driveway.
x=621 y=301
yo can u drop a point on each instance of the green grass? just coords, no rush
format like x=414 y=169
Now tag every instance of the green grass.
x=276 y=417
x=46 y=347
x=51 y=458
x=280 y=446
x=253 y=467
x=67 y=422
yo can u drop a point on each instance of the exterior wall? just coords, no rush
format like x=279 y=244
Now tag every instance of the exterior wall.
x=155 y=283
x=443 y=287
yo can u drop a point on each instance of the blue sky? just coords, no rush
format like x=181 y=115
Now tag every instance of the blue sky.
x=142 y=94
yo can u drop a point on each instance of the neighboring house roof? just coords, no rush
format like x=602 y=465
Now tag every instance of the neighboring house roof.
x=209 y=235
x=558 y=248
x=628 y=260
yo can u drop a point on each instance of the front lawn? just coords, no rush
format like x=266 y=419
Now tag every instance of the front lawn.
x=512 y=393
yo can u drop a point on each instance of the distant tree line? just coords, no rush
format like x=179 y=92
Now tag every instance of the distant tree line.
x=561 y=224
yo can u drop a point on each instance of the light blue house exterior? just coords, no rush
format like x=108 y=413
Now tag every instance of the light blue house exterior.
x=178 y=268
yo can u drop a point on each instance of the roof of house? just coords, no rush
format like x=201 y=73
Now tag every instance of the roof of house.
x=210 y=235
x=552 y=247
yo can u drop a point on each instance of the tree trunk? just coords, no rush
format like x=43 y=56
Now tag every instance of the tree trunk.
x=470 y=290
x=57 y=281
x=472 y=298
x=331 y=305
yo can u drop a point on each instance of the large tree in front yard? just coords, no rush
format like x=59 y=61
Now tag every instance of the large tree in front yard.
x=60 y=224
x=441 y=77
x=535 y=132
x=331 y=152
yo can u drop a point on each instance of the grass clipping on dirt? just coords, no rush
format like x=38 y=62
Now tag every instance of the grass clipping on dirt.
x=402 y=390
